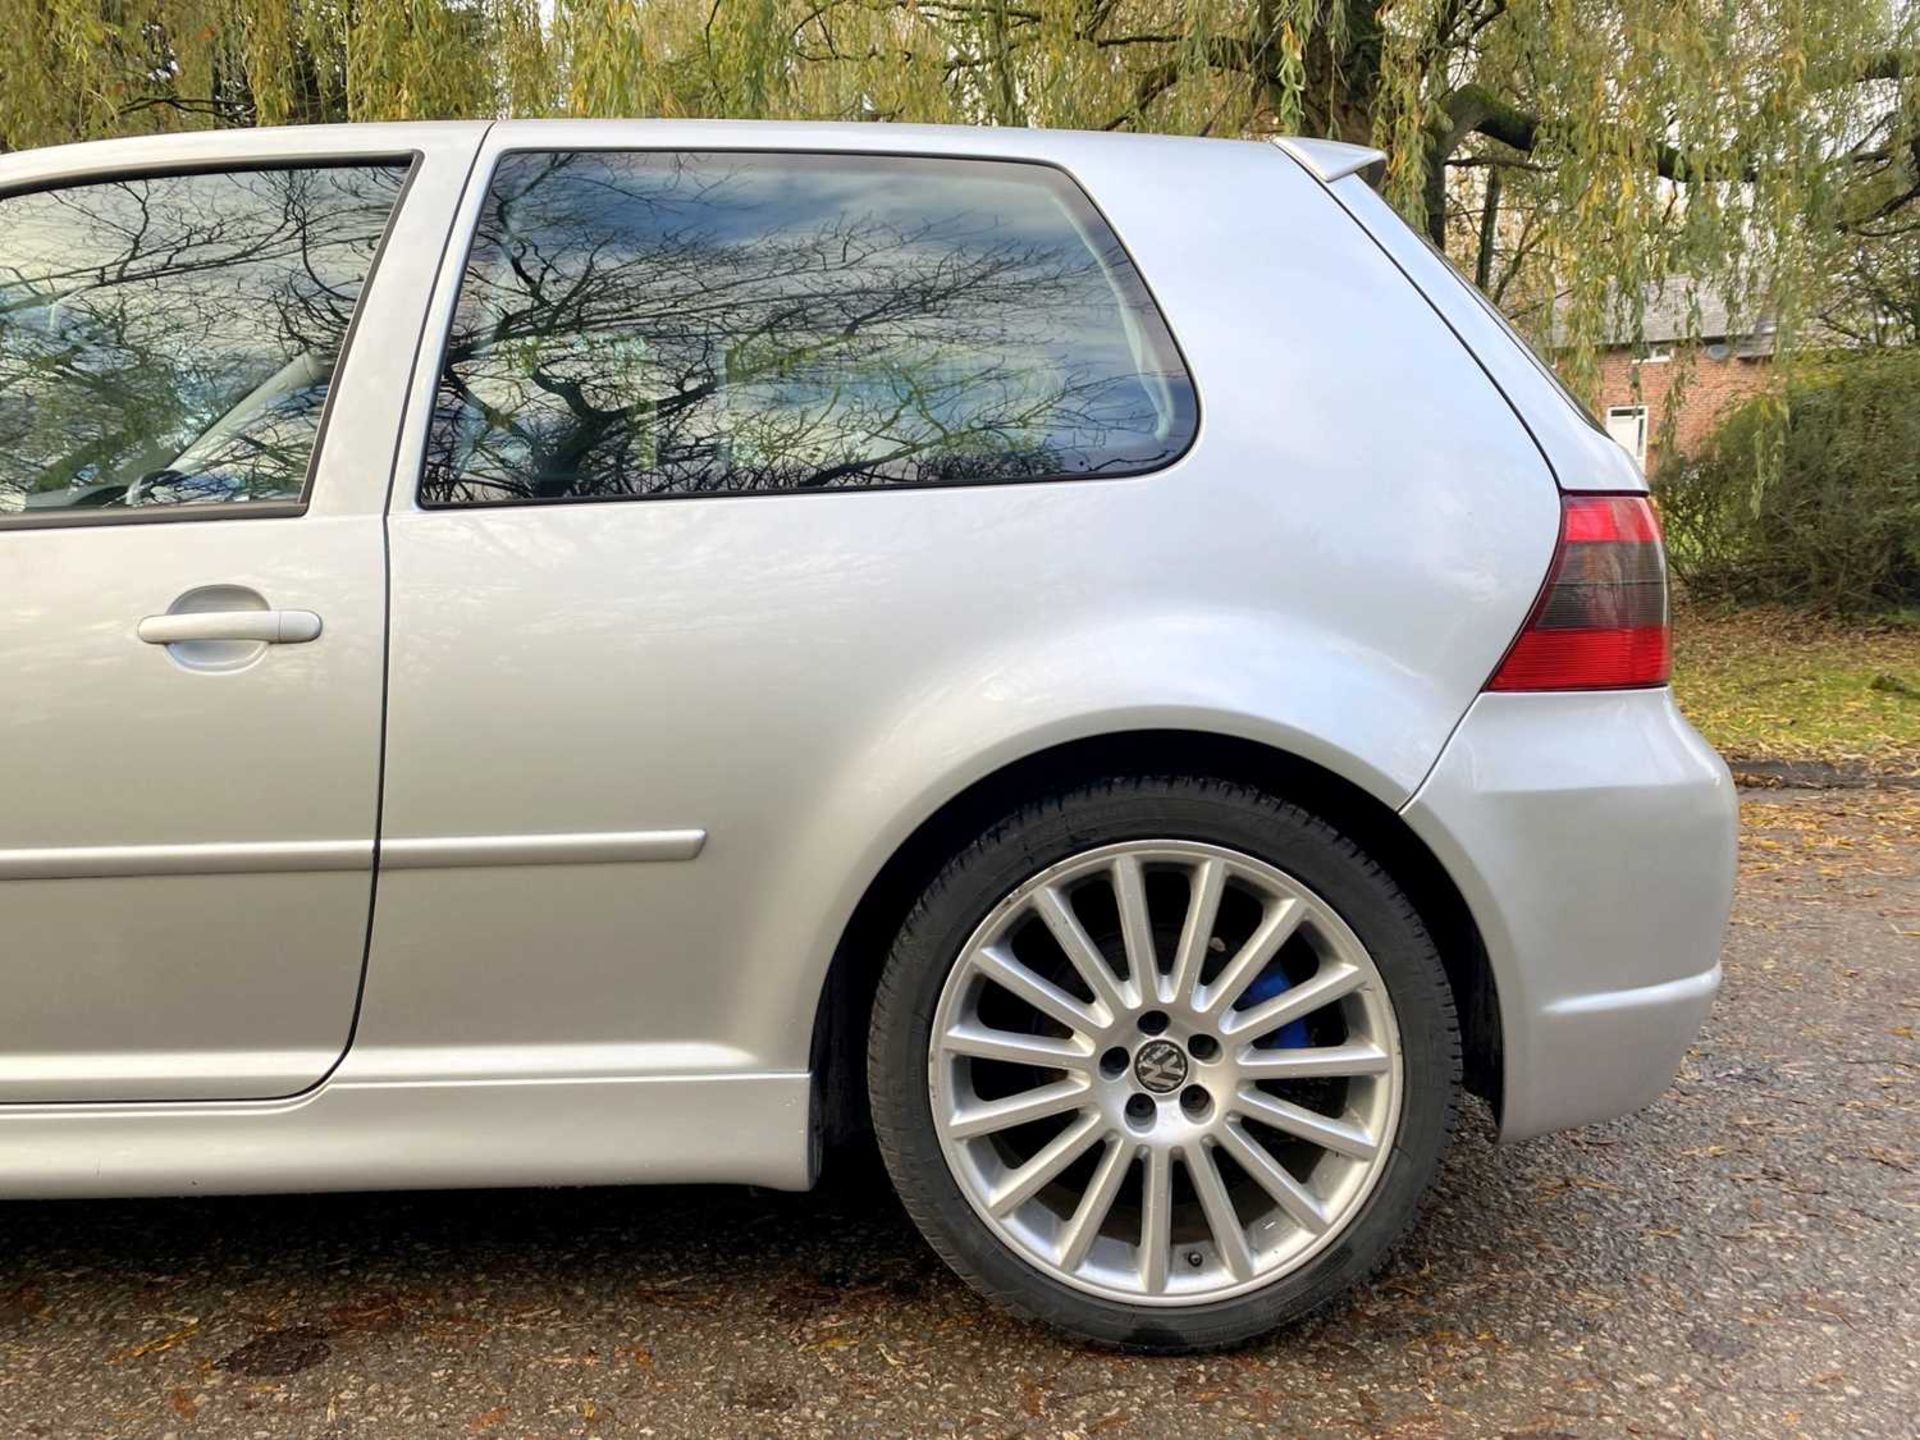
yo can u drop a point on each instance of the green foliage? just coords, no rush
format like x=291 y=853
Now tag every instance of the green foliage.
x=1769 y=683
x=1755 y=146
x=1808 y=498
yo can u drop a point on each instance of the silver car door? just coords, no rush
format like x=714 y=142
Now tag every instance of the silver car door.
x=204 y=344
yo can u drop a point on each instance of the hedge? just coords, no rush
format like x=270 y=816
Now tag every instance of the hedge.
x=1809 y=497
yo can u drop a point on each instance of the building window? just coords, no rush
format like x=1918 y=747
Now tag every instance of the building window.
x=1627 y=424
x=1656 y=352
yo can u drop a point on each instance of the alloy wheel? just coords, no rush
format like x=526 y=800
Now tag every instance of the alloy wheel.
x=1165 y=1072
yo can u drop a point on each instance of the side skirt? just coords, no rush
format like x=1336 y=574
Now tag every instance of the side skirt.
x=422 y=1134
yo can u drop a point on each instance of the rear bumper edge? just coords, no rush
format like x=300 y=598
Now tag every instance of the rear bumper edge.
x=1592 y=837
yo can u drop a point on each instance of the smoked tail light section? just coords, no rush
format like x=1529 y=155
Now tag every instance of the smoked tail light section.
x=1601 y=623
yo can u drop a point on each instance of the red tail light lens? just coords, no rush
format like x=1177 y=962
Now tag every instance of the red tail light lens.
x=1601 y=623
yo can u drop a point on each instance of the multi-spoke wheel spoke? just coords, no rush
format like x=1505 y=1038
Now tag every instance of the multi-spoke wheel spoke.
x=1043 y=995
x=1203 y=912
x=1136 y=926
x=1066 y=1147
x=1332 y=983
x=1152 y=1008
x=987 y=1117
x=1042 y=1051
x=1080 y=951
x=1156 y=1219
x=1293 y=1197
x=1096 y=1203
x=1221 y=1219
x=1276 y=928
x=1341 y=1136
x=1315 y=1062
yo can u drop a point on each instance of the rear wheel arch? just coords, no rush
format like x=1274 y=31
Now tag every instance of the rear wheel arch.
x=844 y=1005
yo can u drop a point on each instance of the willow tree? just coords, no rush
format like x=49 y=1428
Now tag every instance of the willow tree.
x=1566 y=153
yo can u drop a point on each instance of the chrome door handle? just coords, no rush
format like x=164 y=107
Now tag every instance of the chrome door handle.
x=272 y=627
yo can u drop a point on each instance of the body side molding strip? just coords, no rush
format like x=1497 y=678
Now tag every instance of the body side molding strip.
x=253 y=857
x=280 y=857
x=611 y=847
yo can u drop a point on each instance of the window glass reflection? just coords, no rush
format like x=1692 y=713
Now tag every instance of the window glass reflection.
x=648 y=324
x=169 y=340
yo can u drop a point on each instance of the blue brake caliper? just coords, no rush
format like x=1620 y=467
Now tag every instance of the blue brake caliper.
x=1269 y=983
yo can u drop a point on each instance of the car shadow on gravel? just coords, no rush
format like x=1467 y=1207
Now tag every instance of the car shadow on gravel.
x=324 y=1264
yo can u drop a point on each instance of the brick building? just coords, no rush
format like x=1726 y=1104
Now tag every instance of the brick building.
x=1729 y=361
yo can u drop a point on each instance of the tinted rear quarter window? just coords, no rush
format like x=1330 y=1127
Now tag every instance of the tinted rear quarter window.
x=646 y=324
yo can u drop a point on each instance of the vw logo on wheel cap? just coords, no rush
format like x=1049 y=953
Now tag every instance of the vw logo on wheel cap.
x=1160 y=1066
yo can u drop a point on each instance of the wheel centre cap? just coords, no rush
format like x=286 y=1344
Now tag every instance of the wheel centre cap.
x=1160 y=1066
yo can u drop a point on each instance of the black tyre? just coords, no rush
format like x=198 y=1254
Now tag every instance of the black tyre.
x=1163 y=1062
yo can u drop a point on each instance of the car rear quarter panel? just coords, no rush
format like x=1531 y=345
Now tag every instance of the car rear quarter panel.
x=1333 y=569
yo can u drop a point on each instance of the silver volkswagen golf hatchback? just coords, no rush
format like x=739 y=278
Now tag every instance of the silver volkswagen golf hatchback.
x=611 y=652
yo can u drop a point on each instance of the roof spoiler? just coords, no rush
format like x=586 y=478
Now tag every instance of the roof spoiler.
x=1331 y=160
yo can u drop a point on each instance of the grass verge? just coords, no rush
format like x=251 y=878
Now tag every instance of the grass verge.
x=1771 y=685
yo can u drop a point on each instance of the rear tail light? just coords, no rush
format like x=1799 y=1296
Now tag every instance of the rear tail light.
x=1601 y=622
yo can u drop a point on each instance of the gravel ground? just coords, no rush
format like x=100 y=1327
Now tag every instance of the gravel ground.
x=1738 y=1260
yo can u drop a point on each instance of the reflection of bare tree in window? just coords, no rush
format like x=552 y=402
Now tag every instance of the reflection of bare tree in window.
x=644 y=324
x=170 y=339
